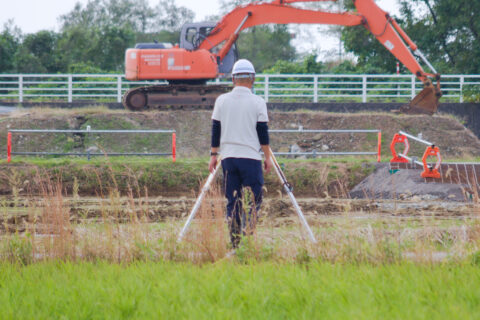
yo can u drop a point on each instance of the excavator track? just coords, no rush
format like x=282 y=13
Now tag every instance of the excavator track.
x=172 y=96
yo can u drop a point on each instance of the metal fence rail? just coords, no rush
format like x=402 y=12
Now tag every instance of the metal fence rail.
x=315 y=153
x=88 y=154
x=273 y=87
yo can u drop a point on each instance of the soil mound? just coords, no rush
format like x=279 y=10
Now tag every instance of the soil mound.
x=384 y=183
x=193 y=131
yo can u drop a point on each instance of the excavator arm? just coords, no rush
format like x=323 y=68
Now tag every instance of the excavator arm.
x=368 y=14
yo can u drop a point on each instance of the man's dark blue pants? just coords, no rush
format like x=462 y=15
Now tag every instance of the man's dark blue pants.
x=239 y=173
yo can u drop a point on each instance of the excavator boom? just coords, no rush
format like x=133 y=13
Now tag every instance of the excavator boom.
x=178 y=64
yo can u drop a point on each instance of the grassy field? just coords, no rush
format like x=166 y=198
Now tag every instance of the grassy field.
x=118 y=260
x=227 y=290
x=160 y=176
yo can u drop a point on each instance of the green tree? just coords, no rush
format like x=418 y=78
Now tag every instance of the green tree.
x=9 y=43
x=263 y=45
x=27 y=62
x=171 y=17
x=110 y=47
x=137 y=15
x=448 y=32
x=309 y=65
x=98 y=33
x=41 y=48
x=103 y=48
x=372 y=57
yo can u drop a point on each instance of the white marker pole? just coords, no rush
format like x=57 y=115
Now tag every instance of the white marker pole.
x=198 y=203
x=287 y=188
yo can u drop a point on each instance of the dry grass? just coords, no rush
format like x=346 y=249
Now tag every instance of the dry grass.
x=208 y=241
x=40 y=112
x=41 y=228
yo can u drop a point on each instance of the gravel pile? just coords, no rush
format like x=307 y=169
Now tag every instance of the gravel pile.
x=405 y=184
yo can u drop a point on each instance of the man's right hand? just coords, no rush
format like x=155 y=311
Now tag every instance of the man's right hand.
x=212 y=164
x=268 y=164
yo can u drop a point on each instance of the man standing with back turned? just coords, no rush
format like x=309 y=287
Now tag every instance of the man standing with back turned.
x=239 y=131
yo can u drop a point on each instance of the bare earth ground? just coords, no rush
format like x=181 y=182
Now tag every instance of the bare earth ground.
x=445 y=227
x=16 y=215
x=422 y=230
x=161 y=209
x=193 y=131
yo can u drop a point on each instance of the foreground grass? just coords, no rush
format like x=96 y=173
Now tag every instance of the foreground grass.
x=231 y=291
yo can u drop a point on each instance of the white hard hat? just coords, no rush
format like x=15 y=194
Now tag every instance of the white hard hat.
x=243 y=66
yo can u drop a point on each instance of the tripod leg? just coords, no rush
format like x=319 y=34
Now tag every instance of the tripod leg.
x=286 y=186
x=198 y=203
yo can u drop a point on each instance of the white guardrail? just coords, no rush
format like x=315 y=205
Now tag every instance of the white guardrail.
x=273 y=87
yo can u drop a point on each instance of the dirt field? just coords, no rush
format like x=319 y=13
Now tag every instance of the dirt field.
x=425 y=230
x=70 y=208
x=193 y=131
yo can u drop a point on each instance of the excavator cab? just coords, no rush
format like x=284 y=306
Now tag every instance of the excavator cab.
x=193 y=34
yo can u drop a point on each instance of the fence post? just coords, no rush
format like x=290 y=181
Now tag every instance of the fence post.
x=265 y=89
x=364 y=88
x=412 y=86
x=462 y=80
x=174 y=147
x=315 y=88
x=20 y=88
x=70 y=88
x=398 y=80
x=9 y=147
x=119 y=89
x=379 y=146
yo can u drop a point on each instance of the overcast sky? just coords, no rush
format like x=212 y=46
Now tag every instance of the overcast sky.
x=34 y=15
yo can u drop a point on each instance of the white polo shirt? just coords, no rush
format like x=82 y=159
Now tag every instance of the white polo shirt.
x=238 y=112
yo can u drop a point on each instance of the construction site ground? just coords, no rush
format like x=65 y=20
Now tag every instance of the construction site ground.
x=343 y=198
x=193 y=131
x=423 y=231
x=324 y=177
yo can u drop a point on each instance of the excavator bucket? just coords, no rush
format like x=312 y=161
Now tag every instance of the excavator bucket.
x=426 y=102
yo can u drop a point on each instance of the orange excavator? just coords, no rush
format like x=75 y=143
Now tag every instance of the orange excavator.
x=207 y=51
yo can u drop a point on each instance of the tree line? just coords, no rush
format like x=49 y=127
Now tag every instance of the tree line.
x=93 y=38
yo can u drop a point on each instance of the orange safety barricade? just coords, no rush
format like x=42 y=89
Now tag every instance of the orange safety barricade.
x=429 y=172
x=174 y=147
x=9 y=147
x=398 y=138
